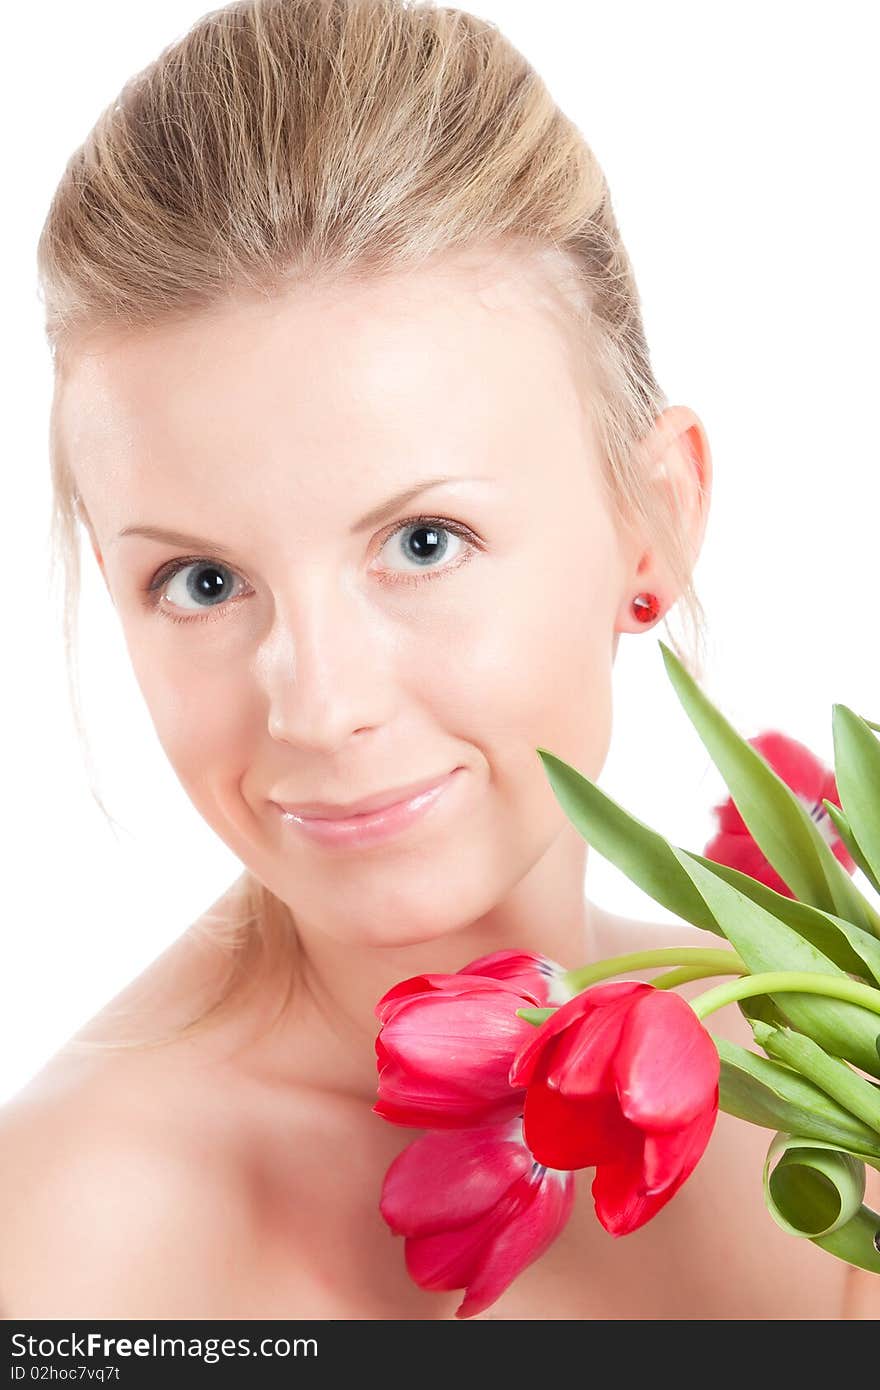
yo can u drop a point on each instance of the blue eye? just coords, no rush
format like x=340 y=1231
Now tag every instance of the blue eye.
x=210 y=584
x=206 y=582
x=425 y=541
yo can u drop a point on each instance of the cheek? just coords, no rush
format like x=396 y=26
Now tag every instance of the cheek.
x=201 y=714
x=531 y=663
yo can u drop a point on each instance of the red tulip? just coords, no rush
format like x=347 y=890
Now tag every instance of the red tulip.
x=536 y=973
x=624 y=1077
x=475 y=1208
x=810 y=780
x=445 y=1047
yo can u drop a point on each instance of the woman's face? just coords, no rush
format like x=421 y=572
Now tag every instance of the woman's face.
x=300 y=647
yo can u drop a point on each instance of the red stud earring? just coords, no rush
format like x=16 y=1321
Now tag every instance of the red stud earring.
x=645 y=607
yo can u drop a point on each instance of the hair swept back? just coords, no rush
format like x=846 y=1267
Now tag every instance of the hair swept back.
x=280 y=141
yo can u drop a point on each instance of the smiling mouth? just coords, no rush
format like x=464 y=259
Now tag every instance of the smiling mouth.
x=371 y=827
x=380 y=801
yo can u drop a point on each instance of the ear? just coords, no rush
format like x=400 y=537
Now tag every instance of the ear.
x=678 y=459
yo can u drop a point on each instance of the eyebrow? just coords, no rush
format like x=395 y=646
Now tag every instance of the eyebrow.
x=373 y=518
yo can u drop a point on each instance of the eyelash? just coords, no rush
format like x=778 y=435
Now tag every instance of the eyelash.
x=162 y=578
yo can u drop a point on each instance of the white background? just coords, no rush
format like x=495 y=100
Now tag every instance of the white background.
x=740 y=146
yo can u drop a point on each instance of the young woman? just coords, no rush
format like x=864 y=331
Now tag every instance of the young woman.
x=354 y=406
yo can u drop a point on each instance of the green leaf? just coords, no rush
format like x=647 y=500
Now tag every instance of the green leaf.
x=850 y=947
x=864 y=945
x=763 y=1007
x=857 y=772
x=774 y=815
x=816 y=1191
x=765 y=943
x=857 y=1242
x=844 y=830
x=650 y=861
x=832 y=1075
x=813 y=1188
x=637 y=850
x=839 y=940
x=767 y=1093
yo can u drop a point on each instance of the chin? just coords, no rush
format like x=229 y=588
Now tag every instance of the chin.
x=384 y=935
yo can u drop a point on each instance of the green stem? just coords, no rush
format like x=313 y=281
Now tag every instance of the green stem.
x=781 y=981
x=715 y=962
x=682 y=976
x=536 y=1016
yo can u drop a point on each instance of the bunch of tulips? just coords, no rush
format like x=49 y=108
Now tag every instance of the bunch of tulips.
x=521 y=1072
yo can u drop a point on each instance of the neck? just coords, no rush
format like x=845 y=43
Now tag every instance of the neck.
x=324 y=1036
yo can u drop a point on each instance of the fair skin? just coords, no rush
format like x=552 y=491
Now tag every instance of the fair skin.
x=244 y=1165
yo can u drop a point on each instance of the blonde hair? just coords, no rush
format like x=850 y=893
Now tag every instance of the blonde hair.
x=322 y=141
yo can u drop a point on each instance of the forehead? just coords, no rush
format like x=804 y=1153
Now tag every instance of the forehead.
x=349 y=378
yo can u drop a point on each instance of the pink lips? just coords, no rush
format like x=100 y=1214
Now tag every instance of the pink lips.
x=373 y=826
x=327 y=810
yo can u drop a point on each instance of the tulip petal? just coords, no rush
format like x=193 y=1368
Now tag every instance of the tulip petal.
x=805 y=775
x=466 y=1030
x=449 y=1259
x=730 y=823
x=452 y=986
x=523 y=970
x=438 y=1054
x=793 y=761
x=666 y=1068
x=669 y=1157
x=581 y=1061
x=619 y=1189
x=741 y=852
x=621 y=1205
x=530 y=1230
x=563 y=1133
x=443 y=1113
x=526 y=1060
x=449 y=1179
x=415 y=986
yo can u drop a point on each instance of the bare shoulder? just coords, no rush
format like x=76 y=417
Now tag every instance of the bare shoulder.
x=120 y=1195
x=617 y=933
x=126 y=1176
x=109 y=1206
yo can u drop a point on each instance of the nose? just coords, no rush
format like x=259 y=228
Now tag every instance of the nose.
x=324 y=672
